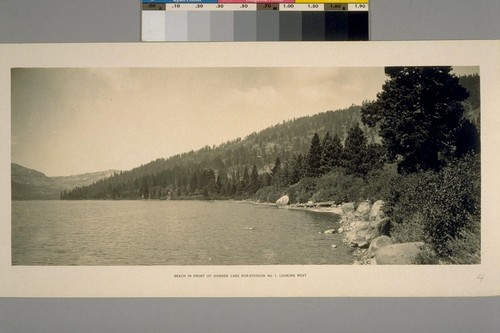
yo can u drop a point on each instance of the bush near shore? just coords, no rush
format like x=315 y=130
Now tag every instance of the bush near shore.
x=440 y=208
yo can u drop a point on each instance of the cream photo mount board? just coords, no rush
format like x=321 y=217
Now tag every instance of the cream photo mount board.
x=258 y=280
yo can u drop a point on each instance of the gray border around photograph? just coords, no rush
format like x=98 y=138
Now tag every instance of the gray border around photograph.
x=119 y=21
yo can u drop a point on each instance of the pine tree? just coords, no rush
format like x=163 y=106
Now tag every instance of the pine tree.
x=245 y=182
x=355 y=155
x=297 y=169
x=331 y=153
x=254 y=180
x=314 y=157
x=467 y=139
x=144 y=191
x=285 y=174
x=419 y=111
x=276 y=173
x=193 y=182
x=325 y=158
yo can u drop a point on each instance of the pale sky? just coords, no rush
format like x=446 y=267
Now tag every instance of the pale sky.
x=71 y=121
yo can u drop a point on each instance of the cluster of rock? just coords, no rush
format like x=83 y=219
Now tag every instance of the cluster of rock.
x=367 y=229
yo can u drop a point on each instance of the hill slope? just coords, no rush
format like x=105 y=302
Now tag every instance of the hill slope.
x=227 y=167
x=29 y=184
x=229 y=163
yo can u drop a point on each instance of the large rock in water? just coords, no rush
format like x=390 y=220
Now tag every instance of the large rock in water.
x=283 y=201
x=376 y=212
x=398 y=254
x=363 y=210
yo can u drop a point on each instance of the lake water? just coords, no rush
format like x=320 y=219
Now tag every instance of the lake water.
x=171 y=233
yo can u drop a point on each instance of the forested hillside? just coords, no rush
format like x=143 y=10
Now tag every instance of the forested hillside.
x=219 y=171
x=263 y=164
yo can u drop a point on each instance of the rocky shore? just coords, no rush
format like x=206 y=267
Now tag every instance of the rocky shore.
x=366 y=229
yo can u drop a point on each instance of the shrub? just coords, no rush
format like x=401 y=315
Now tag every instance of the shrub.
x=340 y=187
x=378 y=182
x=412 y=230
x=441 y=208
x=409 y=194
x=465 y=249
x=303 y=191
x=267 y=194
x=426 y=256
x=454 y=211
x=321 y=196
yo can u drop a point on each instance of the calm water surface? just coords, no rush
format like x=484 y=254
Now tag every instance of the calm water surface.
x=171 y=233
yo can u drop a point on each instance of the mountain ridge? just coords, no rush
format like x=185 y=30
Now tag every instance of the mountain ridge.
x=30 y=184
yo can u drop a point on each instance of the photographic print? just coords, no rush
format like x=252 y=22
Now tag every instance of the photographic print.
x=190 y=166
x=241 y=173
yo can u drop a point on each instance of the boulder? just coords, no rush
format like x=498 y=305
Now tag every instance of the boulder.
x=363 y=245
x=363 y=210
x=334 y=246
x=368 y=233
x=380 y=242
x=359 y=224
x=350 y=236
x=361 y=236
x=283 y=201
x=340 y=230
x=361 y=232
x=348 y=208
x=329 y=231
x=351 y=239
x=382 y=226
x=376 y=212
x=398 y=254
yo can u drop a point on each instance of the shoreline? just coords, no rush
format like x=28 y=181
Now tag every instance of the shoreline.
x=310 y=208
x=344 y=224
x=351 y=220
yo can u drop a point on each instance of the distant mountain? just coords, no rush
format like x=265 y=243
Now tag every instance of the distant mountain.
x=29 y=184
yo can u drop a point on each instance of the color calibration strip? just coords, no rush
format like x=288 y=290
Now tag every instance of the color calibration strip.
x=255 y=20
